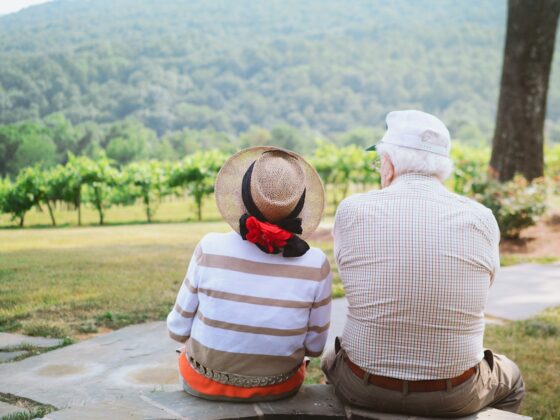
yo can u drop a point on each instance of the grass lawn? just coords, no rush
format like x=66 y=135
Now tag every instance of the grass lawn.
x=72 y=281
x=78 y=281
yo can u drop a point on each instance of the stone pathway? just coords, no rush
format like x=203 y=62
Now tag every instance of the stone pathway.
x=317 y=401
x=132 y=373
x=8 y=340
x=11 y=345
x=9 y=410
x=522 y=291
x=111 y=366
x=6 y=356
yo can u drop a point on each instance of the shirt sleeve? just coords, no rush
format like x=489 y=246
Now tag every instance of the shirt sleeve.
x=495 y=238
x=344 y=221
x=179 y=320
x=319 y=317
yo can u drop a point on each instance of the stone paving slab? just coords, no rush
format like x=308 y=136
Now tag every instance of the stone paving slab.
x=485 y=414
x=6 y=356
x=111 y=366
x=129 y=409
x=9 y=409
x=8 y=340
x=524 y=290
x=316 y=401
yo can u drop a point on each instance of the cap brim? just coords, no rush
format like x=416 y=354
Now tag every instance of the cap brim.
x=372 y=148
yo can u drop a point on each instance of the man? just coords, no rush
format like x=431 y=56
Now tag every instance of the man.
x=416 y=262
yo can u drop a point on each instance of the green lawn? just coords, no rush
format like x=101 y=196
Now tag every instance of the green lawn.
x=74 y=281
x=170 y=210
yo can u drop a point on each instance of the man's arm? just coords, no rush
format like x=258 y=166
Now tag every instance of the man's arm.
x=495 y=236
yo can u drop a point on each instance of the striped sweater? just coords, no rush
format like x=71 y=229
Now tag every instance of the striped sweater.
x=251 y=313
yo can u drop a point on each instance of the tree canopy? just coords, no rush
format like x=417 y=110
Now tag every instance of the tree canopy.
x=328 y=66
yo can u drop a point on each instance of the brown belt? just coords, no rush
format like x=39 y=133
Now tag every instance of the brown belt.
x=413 y=386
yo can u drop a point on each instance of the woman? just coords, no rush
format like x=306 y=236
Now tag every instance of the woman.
x=255 y=301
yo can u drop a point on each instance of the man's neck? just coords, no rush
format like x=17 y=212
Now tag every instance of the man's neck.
x=414 y=177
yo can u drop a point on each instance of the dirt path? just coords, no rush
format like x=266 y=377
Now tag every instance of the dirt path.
x=542 y=240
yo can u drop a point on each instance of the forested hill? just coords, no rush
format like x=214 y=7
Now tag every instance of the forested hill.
x=227 y=65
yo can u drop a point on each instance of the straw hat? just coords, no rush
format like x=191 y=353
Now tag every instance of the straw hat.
x=278 y=181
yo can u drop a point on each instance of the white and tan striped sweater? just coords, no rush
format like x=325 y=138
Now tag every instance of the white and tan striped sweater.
x=251 y=313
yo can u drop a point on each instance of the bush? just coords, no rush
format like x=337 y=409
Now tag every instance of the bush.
x=516 y=204
x=552 y=166
x=470 y=166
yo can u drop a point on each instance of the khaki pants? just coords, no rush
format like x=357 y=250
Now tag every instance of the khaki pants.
x=497 y=384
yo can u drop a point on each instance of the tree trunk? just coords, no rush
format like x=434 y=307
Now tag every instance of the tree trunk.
x=518 y=137
x=51 y=213
x=99 y=204
x=148 y=210
x=79 y=205
x=21 y=220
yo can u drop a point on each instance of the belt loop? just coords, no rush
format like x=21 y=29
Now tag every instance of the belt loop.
x=405 y=387
x=337 y=345
x=448 y=385
x=365 y=379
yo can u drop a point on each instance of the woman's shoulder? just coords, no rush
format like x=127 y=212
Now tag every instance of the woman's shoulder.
x=316 y=254
x=215 y=241
x=314 y=257
x=233 y=245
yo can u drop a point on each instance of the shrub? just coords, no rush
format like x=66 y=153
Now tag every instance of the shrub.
x=552 y=166
x=517 y=204
x=16 y=200
x=470 y=168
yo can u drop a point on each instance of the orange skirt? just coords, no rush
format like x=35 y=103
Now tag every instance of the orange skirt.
x=211 y=388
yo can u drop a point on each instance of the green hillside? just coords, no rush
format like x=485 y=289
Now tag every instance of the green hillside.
x=328 y=66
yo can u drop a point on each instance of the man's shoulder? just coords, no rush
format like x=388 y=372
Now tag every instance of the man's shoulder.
x=479 y=214
x=472 y=205
x=357 y=200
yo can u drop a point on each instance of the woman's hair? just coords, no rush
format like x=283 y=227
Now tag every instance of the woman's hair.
x=406 y=160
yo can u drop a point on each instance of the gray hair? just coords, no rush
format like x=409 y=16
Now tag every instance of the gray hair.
x=406 y=160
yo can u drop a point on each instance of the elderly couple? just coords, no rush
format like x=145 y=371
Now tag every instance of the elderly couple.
x=416 y=262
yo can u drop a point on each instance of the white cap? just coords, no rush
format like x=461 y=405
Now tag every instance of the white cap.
x=416 y=130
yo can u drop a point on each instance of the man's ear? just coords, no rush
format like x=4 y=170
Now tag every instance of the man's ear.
x=387 y=172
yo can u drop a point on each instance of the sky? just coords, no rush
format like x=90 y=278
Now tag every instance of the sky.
x=11 y=6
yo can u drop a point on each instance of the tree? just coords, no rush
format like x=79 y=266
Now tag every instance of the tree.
x=9 y=144
x=32 y=182
x=79 y=171
x=518 y=136
x=25 y=144
x=15 y=200
x=99 y=186
x=198 y=173
x=56 y=183
x=128 y=140
x=341 y=167
x=148 y=181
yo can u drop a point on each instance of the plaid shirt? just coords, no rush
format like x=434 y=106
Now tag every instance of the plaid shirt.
x=416 y=262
